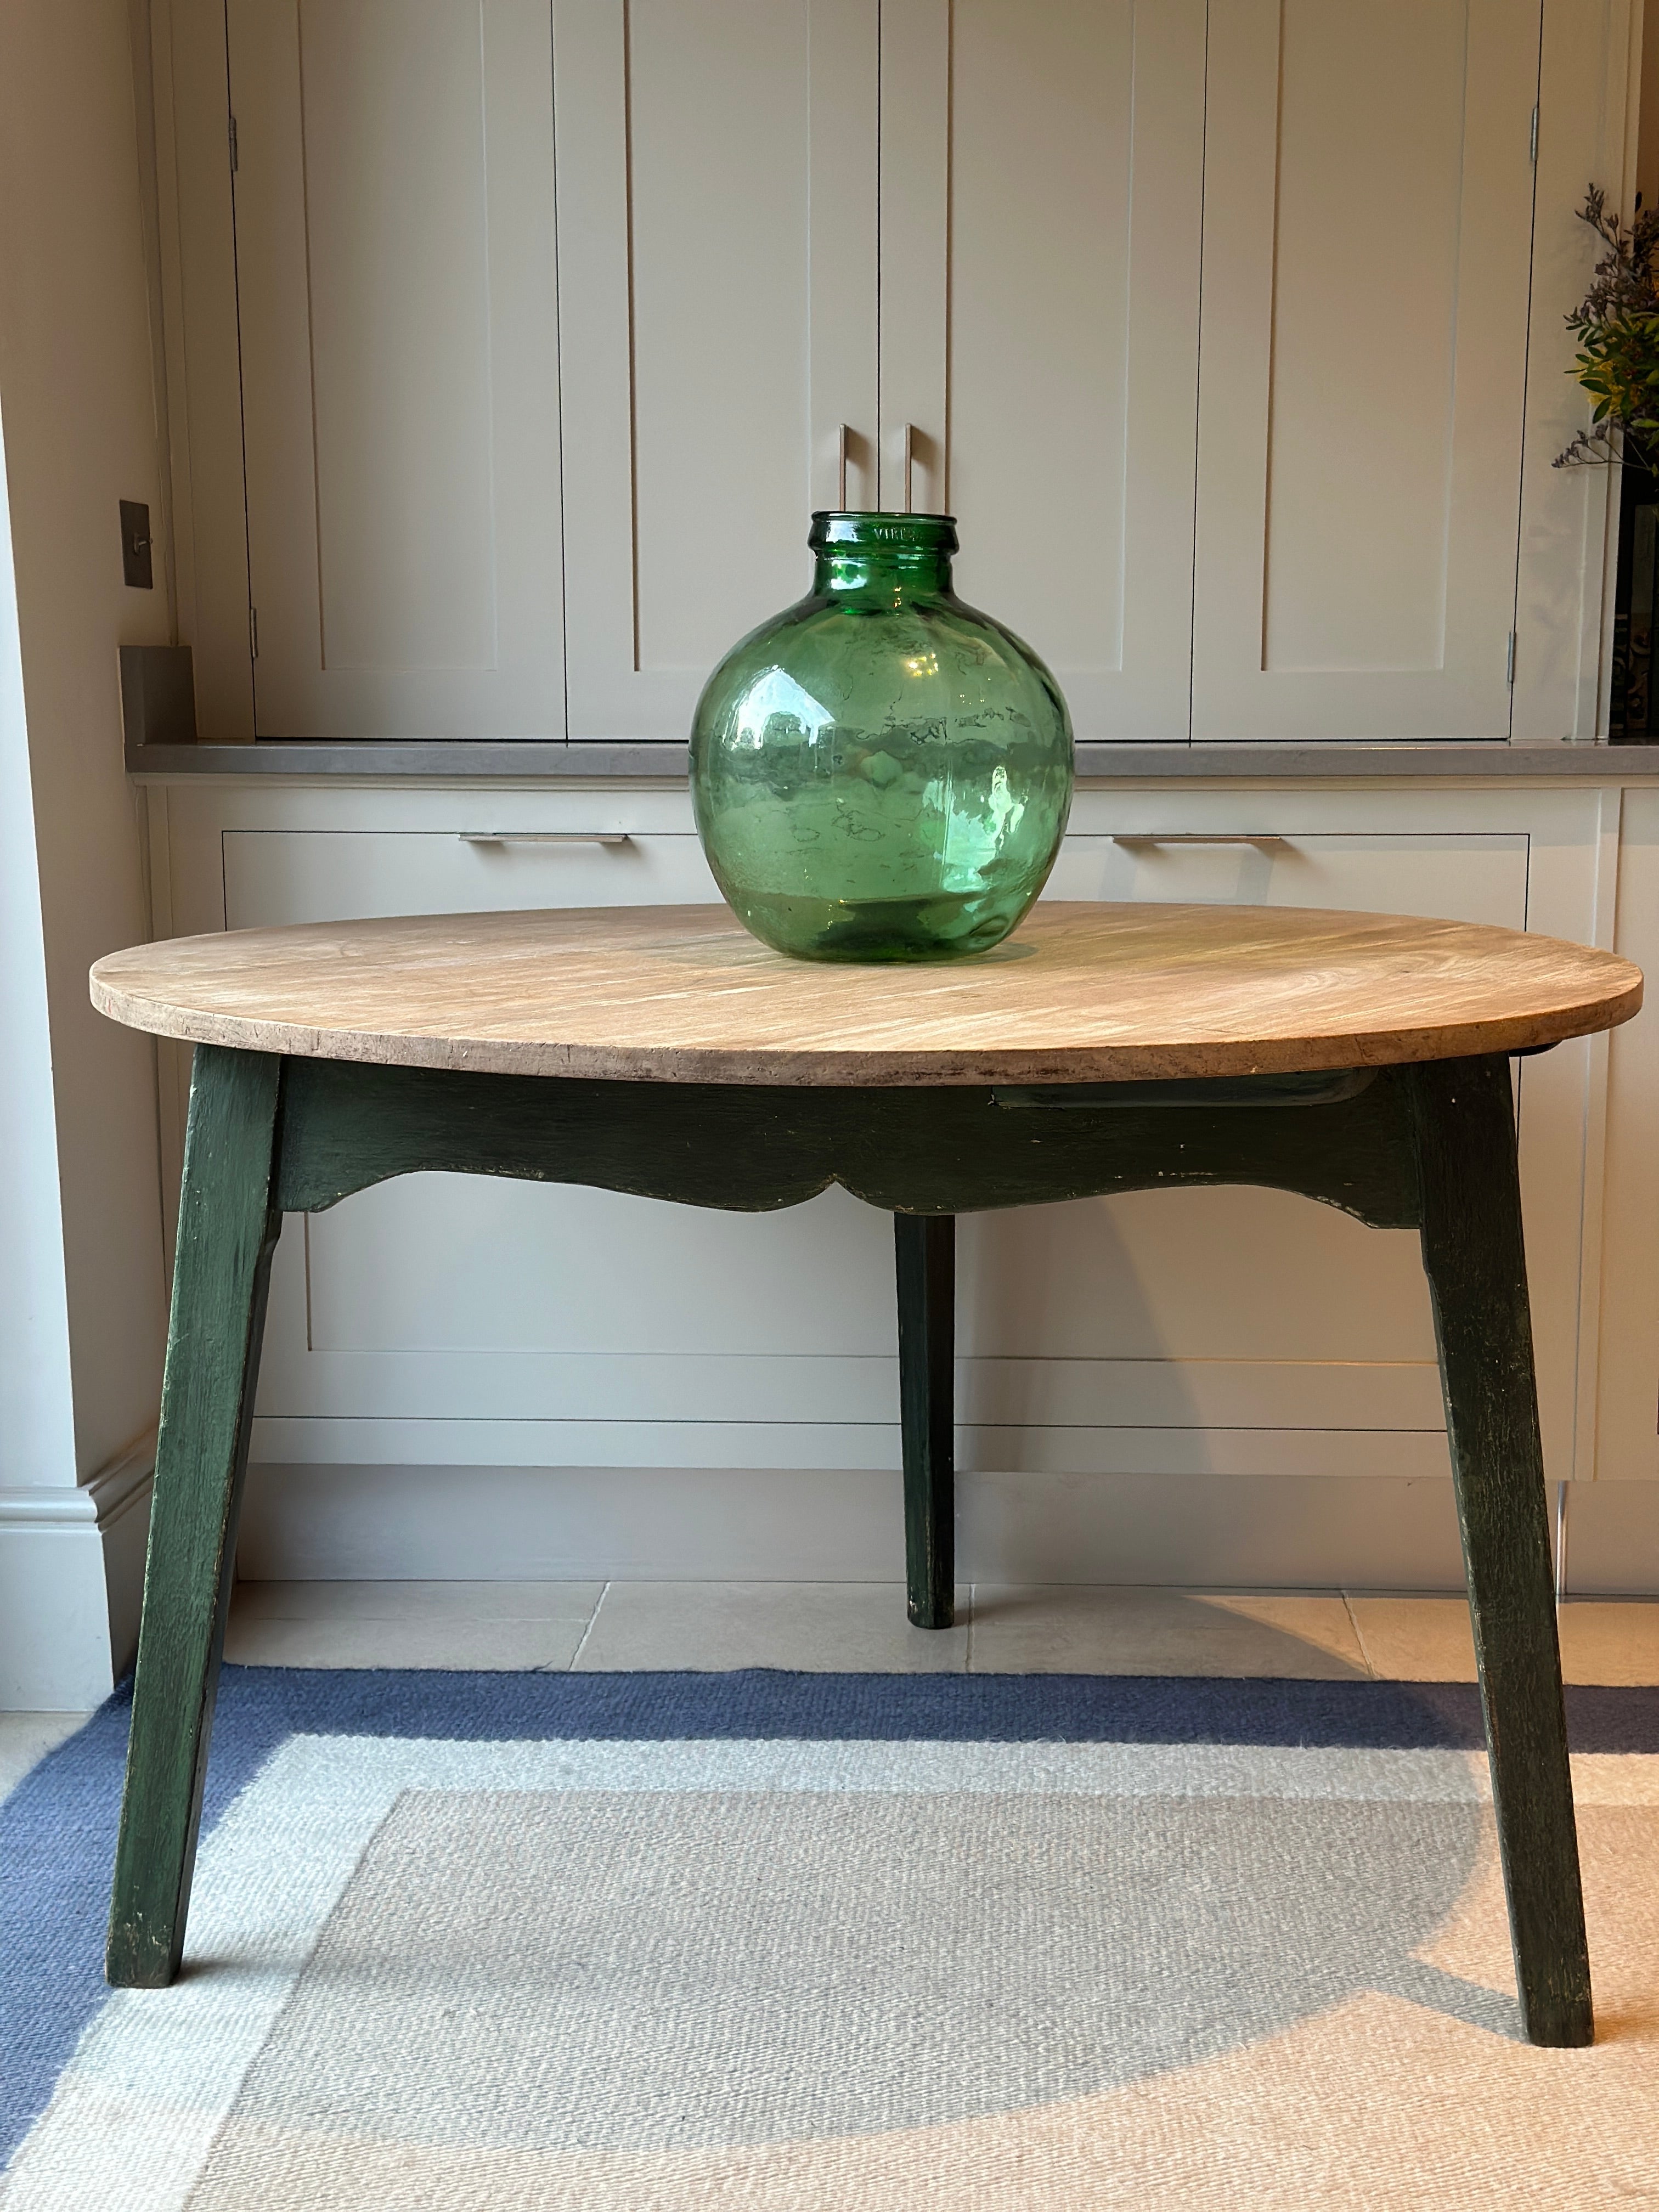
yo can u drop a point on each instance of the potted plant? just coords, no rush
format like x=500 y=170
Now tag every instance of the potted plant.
x=1617 y=327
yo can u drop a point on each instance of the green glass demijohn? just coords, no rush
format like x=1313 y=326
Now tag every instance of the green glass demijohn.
x=880 y=772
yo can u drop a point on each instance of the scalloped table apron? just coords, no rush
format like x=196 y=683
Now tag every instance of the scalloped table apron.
x=1361 y=1060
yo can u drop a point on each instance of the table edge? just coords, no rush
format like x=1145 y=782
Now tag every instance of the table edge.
x=791 y=1067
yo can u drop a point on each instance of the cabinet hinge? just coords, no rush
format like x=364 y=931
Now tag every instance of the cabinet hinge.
x=1534 y=138
x=253 y=633
x=235 y=162
x=1509 y=662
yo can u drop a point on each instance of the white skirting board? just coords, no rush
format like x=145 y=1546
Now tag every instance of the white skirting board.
x=71 y=1561
x=71 y=1576
x=519 y=1523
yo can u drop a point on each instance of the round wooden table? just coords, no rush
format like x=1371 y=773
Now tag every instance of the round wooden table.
x=1361 y=1060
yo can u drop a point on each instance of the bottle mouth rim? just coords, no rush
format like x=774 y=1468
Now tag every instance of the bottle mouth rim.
x=875 y=530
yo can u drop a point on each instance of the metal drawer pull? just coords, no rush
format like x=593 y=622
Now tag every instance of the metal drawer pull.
x=545 y=837
x=909 y=468
x=1195 y=837
x=844 y=439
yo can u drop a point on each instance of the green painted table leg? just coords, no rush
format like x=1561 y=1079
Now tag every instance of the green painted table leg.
x=1476 y=1265
x=227 y=1229
x=924 y=1246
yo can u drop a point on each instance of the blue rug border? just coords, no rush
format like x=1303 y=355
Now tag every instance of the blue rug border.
x=57 y=1829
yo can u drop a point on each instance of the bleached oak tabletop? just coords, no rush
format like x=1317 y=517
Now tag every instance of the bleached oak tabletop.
x=1079 y=993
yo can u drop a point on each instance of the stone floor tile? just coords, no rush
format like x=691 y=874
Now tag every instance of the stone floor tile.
x=1415 y=1639
x=507 y=1646
x=818 y=1627
x=1079 y=1629
x=395 y=1601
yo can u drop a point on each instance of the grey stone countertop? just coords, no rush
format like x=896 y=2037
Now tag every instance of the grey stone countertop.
x=531 y=761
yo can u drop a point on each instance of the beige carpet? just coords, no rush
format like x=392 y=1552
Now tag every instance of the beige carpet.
x=510 y=1976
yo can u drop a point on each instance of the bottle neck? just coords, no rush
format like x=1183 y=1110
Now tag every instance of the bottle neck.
x=847 y=574
x=881 y=559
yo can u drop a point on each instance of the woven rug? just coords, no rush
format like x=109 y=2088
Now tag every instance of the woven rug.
x=506 y=1943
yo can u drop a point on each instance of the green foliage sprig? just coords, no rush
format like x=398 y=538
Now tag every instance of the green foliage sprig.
x=1617 y=327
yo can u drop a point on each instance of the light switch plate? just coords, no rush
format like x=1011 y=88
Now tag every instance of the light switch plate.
x=136 y=568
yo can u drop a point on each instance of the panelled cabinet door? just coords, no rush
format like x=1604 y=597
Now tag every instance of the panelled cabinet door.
x=395 y=259
x=1368 y=198
x=1300 y=1340
x=1042 y=171
x=717 y=325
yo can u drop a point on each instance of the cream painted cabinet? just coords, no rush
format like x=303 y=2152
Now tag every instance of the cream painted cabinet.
x=960 y=243
x=1042 y=174
x=548 y=324
x=454 y=1322
x=1367 y=253
x=554 y=322
x=1104 y=230
x=717 y=176
x=396 y=292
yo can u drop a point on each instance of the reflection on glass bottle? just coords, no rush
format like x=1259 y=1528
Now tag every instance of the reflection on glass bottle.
x=881 y=773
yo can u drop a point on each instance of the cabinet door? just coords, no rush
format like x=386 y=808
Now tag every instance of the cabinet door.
x=462 y=1319
x=717 y=305
x=1368 y=209
x=1274 y=1332
x=394 y=243
x=1041 y=183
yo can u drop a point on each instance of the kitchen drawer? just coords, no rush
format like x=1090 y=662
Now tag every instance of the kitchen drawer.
x=1462 y=875
x=350 y=875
